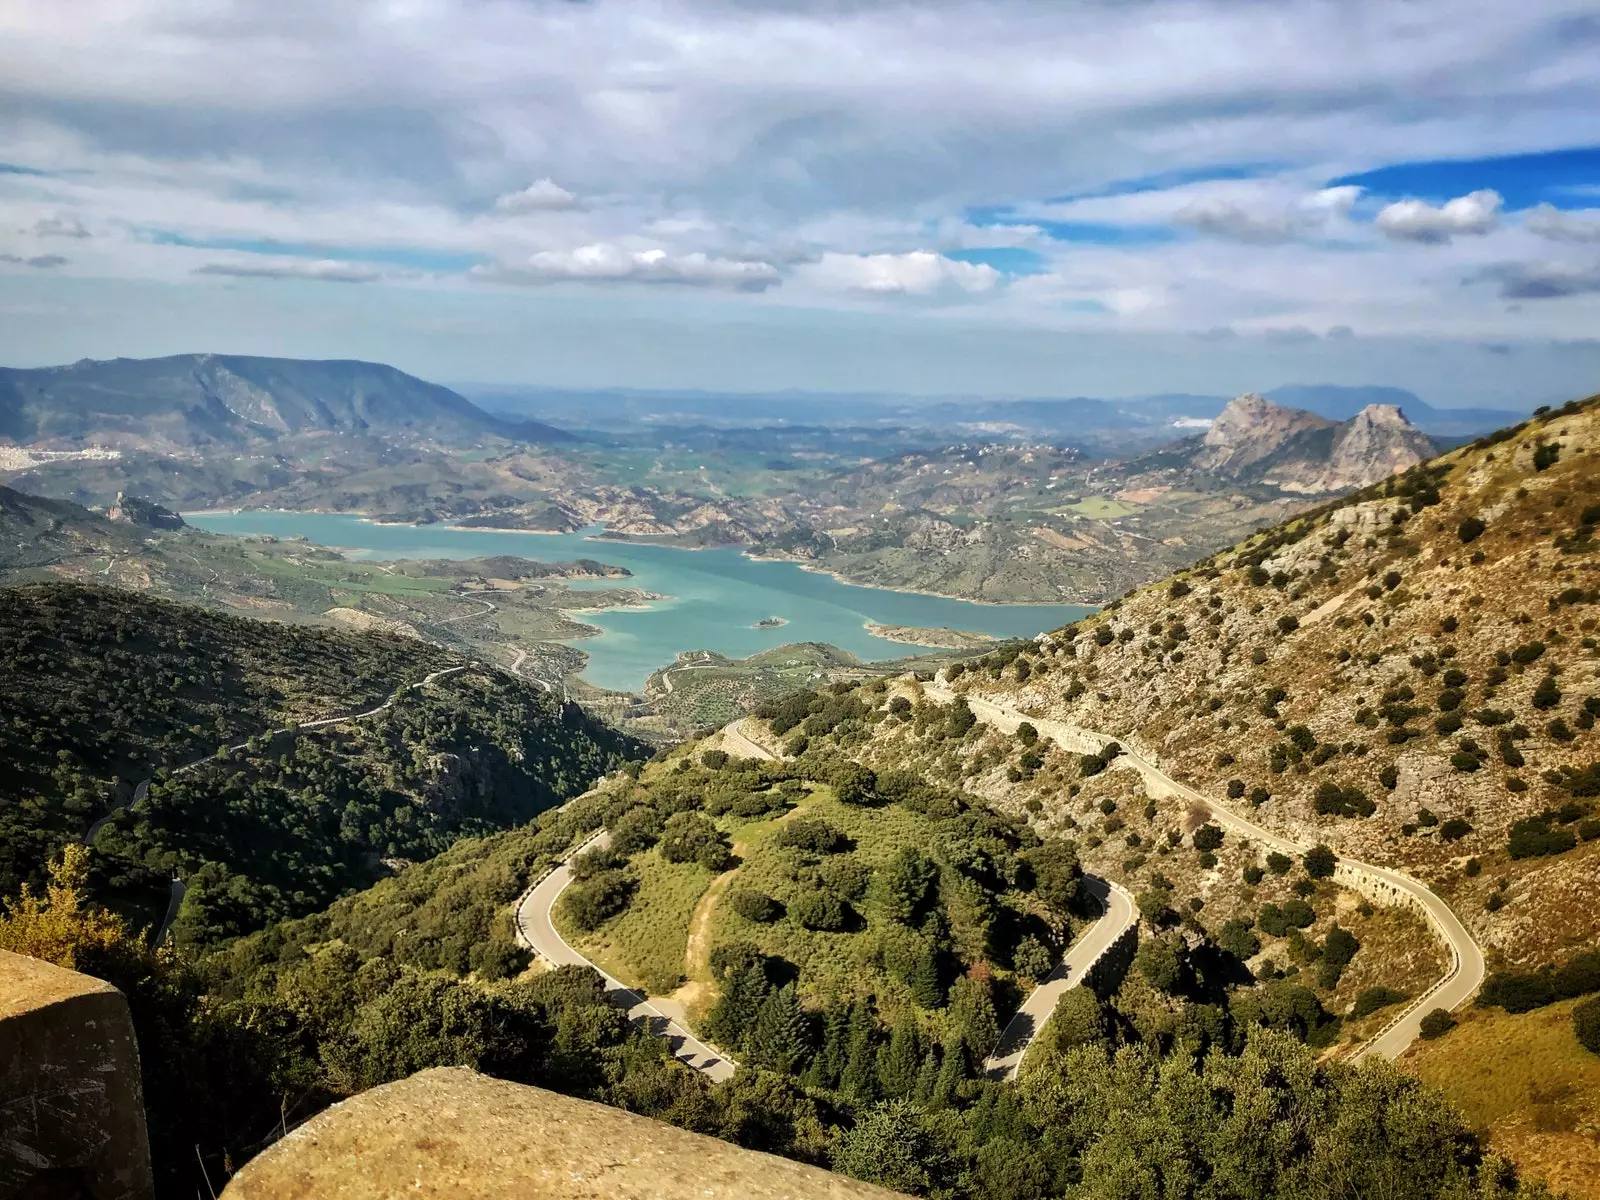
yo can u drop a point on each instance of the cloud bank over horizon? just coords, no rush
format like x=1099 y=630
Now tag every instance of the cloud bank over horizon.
x=1166 y=173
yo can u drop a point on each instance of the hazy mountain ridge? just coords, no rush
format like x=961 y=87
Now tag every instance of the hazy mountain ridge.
x=1105 y=424
x=194 y=401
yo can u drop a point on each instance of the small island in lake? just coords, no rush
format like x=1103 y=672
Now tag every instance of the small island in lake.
x=770 y=622
x=944 y=639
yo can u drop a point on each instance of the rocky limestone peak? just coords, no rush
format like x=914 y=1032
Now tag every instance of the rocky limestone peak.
x=1250 y=429
x=1385 y=415
x=1375 y=443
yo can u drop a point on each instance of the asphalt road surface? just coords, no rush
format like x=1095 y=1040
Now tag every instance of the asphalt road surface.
x=1118 y=915
x=538 y=932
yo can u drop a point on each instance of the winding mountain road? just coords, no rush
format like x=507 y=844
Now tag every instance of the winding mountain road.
x=1117 y=915
x=538 y=932
x=179 y=888
x=1378 y=884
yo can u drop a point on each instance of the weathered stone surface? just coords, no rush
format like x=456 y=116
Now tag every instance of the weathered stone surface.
x=71 y=1108
x=452 y=1132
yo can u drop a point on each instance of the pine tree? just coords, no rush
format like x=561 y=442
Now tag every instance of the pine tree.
x=736 y=1009
x=859 y=1079
x=927 y=1076
x=972 y=1013
x=778 y=1037
x=924 y=980
x=899 y=1059
x=829 y=1065
x=951 y=1072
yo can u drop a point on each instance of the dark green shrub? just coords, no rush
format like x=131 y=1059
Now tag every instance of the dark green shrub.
x=1371 y=999
x=755 y=906
x=1470 y=529
x=1208 y=837
x=594 y=902
x=1319 y=862
x=692 y=837
x=1279 y=864
x=820 y=910
x=812 y=834
x=1535 y=838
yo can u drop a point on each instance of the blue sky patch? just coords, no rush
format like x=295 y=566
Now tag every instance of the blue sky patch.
x=1167 y=180
x=1100 y=233
x=1563 y=178
x=1013 y=260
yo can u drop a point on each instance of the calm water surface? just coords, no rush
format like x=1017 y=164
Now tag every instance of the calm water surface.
x=716 y=596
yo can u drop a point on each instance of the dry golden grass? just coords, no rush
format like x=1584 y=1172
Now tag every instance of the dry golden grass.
x=1527 y=1082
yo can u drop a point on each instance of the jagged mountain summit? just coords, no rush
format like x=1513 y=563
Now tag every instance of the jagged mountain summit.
x=193 y=401
x=1257 y=441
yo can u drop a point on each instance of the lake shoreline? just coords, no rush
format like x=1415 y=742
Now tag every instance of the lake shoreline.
x=632 y=540
x=714 y=602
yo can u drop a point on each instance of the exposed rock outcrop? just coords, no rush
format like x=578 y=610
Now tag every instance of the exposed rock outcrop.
x=451 y=1132
x=1257 y=441
x=144 y=513
x=71 y=1107
x=1251 y=430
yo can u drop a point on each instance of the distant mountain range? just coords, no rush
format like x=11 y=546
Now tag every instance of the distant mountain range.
x=1116 y=425
x=223 y=401
x=1254 y=440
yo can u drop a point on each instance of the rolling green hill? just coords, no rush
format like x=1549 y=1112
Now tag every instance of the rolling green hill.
x=107 y=690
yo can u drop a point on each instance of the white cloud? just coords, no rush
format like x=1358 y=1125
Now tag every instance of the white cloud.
x=67 y=227
x=1257 y=211
x=1223 y=218
x=1337 y=200
x=1547 y=280
x=604 y=262
x=40 y=261
x=323 y=270
x=1550 y=222
x=1475 y=214
x=917 y=273
x=542 y=195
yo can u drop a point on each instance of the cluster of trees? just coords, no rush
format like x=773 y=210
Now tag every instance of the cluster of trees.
x=1523 y=991
x=110 y=689
x=103 y=687
x=306 y=1012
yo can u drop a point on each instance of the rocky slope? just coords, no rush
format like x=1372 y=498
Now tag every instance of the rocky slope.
x=1257 y=441
x=220 y=400
x=36 y=532
x=1409 y=675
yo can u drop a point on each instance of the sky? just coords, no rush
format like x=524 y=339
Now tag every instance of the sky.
x=973 y=196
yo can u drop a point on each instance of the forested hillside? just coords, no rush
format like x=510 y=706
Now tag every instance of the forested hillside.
x=107 y=690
